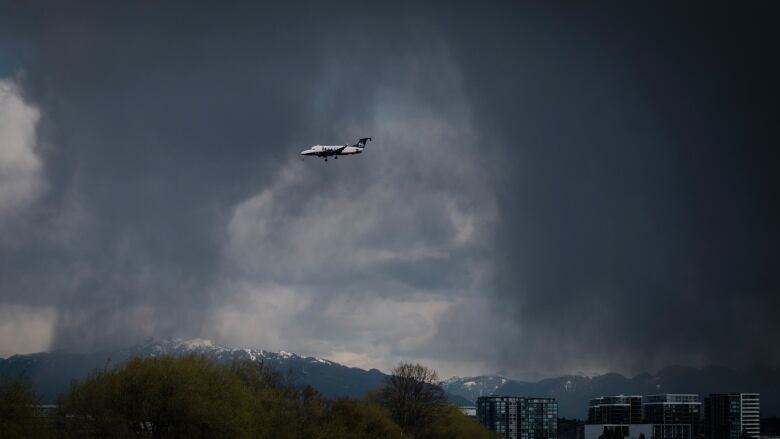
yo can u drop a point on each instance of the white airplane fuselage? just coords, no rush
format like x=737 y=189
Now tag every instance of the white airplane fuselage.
x=336 y=150
x=331 y=150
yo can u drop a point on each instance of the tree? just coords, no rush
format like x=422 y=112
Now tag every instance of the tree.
x=195 y=397
x=18 y=416
x=450 y=423
x=348 y=419
x=172 y=397
x=412 y=394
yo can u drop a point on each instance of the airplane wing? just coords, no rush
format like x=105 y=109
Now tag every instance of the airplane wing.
x=341 y=148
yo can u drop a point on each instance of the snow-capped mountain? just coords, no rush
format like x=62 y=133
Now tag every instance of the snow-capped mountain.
x=472 y=388
x=199 y=346
x=571 y=392
x=51 y=372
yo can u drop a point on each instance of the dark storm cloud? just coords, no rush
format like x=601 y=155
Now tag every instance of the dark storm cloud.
x=161 y=124
x=592 y=185
x=132 y=96
x=640 y=165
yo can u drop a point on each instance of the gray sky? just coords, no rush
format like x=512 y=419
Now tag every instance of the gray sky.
x=550 y=189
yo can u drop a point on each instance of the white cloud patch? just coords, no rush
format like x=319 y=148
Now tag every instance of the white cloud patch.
x=20 y=166
x=26 y=329
x=258 y=315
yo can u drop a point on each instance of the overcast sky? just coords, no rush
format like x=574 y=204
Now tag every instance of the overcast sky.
x=551 y=189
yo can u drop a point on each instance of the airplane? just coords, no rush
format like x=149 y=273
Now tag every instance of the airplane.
x=336 y=150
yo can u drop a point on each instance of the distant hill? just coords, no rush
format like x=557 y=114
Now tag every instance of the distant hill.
x=573 y=392
x=52 y=372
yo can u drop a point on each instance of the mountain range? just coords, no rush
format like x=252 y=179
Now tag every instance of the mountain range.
x=52 y=372
x=573 y=392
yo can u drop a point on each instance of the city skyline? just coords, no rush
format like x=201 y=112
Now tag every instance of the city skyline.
x=675 y=416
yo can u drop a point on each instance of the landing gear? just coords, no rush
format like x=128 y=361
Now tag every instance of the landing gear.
x=335 y=158
x=326 y=159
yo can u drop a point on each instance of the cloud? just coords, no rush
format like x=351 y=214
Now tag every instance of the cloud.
x=21 y=179
x=366 y=254
x=25 y=329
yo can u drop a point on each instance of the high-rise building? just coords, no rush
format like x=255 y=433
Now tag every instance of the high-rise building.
x=673 y=415
x=539 y=418
x=518 y=417
x=728 y=415
x=619 y=409
x=500 y=414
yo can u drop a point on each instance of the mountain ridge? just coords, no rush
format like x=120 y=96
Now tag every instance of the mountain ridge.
x=52 y=372
x=574 y=391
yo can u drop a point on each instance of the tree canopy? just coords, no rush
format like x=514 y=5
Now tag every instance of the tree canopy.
x=418 y=404
x=196 y=397
x=18 y=402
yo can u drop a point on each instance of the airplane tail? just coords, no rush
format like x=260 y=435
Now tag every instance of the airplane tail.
x=362 y=142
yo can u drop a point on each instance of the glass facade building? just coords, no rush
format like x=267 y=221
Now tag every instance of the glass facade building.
x=518 y=417
x=619 y=409
x=674 y=415
x=728 y=415
x=538 y=418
